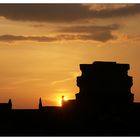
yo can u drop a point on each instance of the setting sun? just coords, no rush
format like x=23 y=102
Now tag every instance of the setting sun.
x=65 y=98
x=60 y=100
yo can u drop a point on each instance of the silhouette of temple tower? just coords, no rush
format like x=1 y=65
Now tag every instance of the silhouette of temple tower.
x=104 y=86
x=40 y=104
x=6 y=106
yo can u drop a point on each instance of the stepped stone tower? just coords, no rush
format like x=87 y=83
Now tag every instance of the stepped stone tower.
x=104 y=86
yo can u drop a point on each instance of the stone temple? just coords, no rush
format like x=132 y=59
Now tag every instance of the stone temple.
x=104 y=87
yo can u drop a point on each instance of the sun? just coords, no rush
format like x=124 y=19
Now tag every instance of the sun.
x=65 y=98
x=60 y=100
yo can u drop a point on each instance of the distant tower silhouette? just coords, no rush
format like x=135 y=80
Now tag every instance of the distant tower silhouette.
x=6 y=106
x=10 y=104
x=40 y=103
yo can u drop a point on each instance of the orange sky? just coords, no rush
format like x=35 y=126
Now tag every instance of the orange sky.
x=41 y=47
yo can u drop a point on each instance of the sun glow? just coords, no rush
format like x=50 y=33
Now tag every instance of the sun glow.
x=65 y=98
x=60 y=100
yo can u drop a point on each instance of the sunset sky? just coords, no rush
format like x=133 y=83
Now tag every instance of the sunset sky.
x=42 y=45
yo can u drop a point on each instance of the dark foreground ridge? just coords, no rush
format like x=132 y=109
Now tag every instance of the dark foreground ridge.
x=103 y=107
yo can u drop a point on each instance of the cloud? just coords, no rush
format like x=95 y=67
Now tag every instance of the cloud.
x=61 y=81
x=89 y=29
x=63 y=12
x=38 y=25
x=11 y=38
x=99 y=33
x=130 y=37
x=92 y=33
x=43 y=12
x=100 y=36
x=109 y=6
x=119 y=12
x=26 y=80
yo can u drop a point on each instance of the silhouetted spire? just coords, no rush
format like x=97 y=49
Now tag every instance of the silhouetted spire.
x=40 y=103
x=10 y=103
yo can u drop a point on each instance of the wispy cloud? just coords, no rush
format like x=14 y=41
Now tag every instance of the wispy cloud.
x=11 y=38
x=130 y=37
x=101 y=36
x=93 y=33
x=89 y=28
x=22 y=81
x=61 y=81
x=99 y=33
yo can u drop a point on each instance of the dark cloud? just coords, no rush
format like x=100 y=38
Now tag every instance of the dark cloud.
x=11 y=38
x=62 y=12
x=93 y=33
x=99 y=33
x=38 y=25
x=100 y=36
x=44 y=12
x=120 y=12
x=89 y=29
